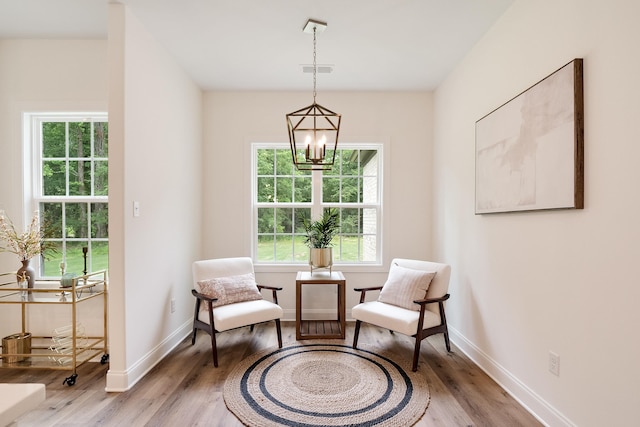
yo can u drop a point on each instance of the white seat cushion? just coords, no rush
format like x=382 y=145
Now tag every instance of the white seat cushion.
x=392 y=317
x=240 y=314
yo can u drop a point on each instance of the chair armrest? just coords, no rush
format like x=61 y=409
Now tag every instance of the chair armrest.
x=202 y=297
x=375 y=288
x=423 y=304
x=432 y=300
x=363 y=291
x=273 y=290
x=269 y=287
x=199 y=298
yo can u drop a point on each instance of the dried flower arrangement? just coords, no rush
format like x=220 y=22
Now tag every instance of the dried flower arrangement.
x=28 y=244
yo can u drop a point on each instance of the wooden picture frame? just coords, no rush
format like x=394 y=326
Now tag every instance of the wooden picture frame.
x=529 y=151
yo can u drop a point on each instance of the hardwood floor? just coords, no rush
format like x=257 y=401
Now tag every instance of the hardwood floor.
x=186 y=390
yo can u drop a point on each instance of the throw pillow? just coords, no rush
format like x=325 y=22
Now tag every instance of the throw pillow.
x=405 y=285
x=229 y=289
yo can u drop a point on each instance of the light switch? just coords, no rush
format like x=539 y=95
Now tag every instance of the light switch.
x=136 y=208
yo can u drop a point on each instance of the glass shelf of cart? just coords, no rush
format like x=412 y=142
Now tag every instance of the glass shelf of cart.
x=49 y=291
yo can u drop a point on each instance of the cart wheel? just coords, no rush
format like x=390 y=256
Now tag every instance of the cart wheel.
x=70 y=380
x=104 y=359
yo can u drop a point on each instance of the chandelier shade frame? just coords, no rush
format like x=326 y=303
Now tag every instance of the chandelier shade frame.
x=313 y=137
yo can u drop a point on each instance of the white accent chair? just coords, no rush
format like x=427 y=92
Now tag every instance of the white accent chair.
x=230 y=316
x=430 y=313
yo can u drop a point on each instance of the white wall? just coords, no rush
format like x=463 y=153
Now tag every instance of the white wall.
x=36 y=76
x=42 y=75
x=401 y=121
x=527 y=283
x=155 y=115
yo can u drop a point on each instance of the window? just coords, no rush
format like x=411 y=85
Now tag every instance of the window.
x=70 y=188
x=282 y=196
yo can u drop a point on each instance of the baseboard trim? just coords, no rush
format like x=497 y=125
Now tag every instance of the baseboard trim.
x=119 y=381
x=532 y=402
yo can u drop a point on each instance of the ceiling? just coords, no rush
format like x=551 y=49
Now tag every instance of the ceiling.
x=373 y=45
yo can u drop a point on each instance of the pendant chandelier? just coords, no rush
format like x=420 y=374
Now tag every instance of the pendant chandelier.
x=313 y=130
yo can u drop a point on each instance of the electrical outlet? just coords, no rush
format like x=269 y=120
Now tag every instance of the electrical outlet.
x=554 y=363
x=173 y=305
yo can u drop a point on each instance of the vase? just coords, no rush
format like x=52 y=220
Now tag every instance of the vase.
x=26 y=271
x=320 y=258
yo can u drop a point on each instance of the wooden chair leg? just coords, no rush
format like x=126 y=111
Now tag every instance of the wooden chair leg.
x=279 y=331
x=443 y=320
x=356 y=334
x=214 y=349
x=416 y=354
x=212 y=331
x=195 y=318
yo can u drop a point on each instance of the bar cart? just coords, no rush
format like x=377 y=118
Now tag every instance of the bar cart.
x=68 y=347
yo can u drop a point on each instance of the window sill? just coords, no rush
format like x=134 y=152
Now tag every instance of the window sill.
x=345 y=268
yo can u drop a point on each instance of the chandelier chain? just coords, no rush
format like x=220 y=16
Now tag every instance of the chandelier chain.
x=314 y=65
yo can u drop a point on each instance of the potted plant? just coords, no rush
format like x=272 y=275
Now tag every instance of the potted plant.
x=319 y=235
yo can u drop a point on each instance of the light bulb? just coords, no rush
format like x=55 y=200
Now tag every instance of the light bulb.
x=307 y=142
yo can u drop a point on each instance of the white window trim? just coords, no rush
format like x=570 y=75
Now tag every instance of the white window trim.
x=32 y=160
x=317 y=209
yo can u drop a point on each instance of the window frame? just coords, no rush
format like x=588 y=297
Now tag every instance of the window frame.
x=316 y=205
x=34 y=181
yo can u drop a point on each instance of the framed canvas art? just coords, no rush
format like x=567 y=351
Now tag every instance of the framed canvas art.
x=529 y=151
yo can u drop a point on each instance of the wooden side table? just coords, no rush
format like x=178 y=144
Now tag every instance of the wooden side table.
x=314 y=329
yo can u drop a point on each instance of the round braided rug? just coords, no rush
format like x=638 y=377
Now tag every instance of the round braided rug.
x=318 y=383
